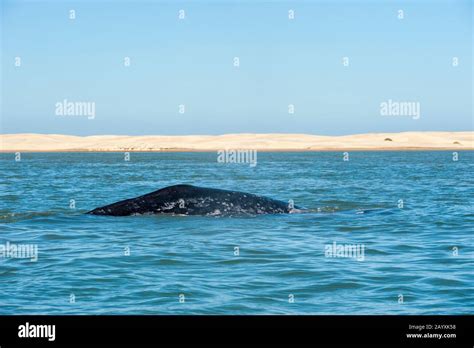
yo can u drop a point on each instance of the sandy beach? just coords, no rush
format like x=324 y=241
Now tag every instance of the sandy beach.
x=259 y=142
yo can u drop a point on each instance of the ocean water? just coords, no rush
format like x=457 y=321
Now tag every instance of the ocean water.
x=408 y=214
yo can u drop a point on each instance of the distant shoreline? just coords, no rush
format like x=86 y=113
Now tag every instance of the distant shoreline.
x=404 y=141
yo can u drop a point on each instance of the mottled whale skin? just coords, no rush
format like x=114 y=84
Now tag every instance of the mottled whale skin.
x=193 y=200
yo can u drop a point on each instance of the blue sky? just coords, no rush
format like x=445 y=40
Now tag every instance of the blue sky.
x=190 y=62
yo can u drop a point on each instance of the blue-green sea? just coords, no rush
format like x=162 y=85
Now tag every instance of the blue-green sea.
x=410 y=212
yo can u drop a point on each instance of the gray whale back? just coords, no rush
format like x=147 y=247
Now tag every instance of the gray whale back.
x=193 y=200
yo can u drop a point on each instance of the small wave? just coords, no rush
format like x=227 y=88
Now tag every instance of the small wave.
x=10 y=217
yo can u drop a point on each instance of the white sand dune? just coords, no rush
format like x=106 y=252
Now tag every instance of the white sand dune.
x=260 y=142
